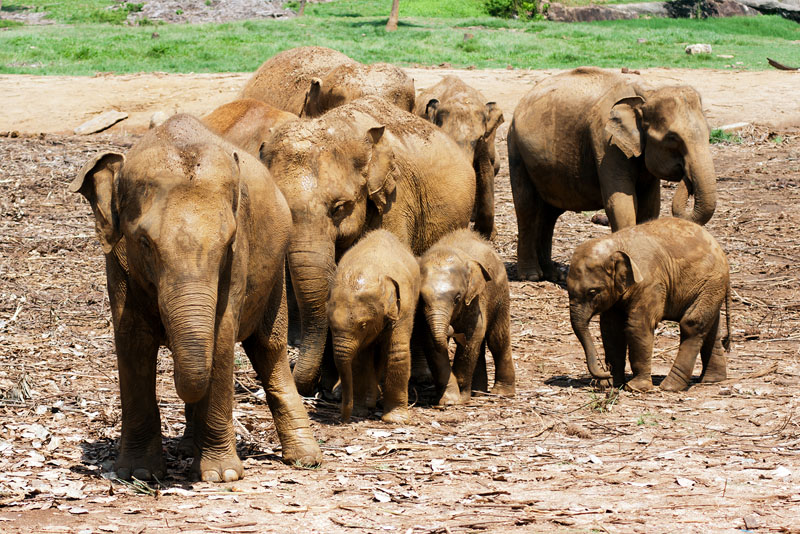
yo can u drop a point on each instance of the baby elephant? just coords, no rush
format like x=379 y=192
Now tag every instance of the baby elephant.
x=464 y=295
x=371 y=314
x=665 y=269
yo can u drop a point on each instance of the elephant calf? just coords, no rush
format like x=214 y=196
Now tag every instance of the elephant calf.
x=371 y=313
x=665 y=269
x=459 y=110
x=194 y=233
x=464 y=294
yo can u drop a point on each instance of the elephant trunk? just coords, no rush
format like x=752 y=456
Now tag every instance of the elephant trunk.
x=439 y=324
x=344 y=351
x=699 y=181
x=189 y=313
x=580 y=325
x=311 y=263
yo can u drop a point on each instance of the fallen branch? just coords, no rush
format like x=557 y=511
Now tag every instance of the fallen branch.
x=781 y=66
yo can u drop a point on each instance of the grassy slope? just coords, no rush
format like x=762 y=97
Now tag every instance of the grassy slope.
x=356 y=28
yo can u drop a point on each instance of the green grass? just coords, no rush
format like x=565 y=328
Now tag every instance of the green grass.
x=356 y=27
x=718 y=136
x=77 y=11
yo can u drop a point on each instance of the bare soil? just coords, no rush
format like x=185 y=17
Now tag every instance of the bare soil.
x=559 y=457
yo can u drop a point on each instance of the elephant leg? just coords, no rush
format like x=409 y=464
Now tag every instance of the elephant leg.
x=295 y=333
x=214 y=437
x=527 y=203
x=480 y=378
x=639 y=337
x=715 y=365
x=617 y=186
x=364 y=394
x=140 y=450
x=186 y=444
x=547 y=217
x=681 y=373
x=614 y=344
x=648 y=196
x=498 y=340
x=397 y=350
x=484 y=193
x=438 y=361
x=329 y=375
x=267 y=352
x=466 y=358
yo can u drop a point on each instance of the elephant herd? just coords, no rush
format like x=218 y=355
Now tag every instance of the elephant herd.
x=331 y=185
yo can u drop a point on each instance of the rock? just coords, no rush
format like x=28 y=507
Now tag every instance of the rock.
x=101 y=122
x=647 y=9
x=788 y=9
x=601 y=219
x=468 y=36
x=730 y=8
x=752 y=522
x=158 y=118
x=700 y=48
x=734 y=127
x=561 y=13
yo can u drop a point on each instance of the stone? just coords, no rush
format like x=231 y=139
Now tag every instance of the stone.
x=101 y=122
x=158 y=118
x=699 y=48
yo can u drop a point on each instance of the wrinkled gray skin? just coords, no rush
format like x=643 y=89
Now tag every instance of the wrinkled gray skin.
x=589 y=139
x=181 y=219
x=371 y=316
x=665 y=269
x=471 y=121
x=361 y=166
x=464 y=294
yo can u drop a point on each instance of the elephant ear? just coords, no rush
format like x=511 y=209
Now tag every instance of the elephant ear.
x=95 y=182
x=478 y=276
x=381 y=169
x=392 y=298
x=623 y=125
x=311 y=102
x=430 y=110
x=492 y=118
x=626 y=272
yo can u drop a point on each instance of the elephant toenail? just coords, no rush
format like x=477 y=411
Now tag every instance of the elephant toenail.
x=230 y=475
x=211 y=476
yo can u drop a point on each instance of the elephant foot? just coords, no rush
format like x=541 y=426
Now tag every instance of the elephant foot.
x=504 y=390
x=302 y=453
x=186 y=445
x=672 y=383
x=450 y=397
x=714 y=375
x=144 y=463
x=398 y=416
x=639 y=385
x=533 y=273
x=224 y=469
x=603 y=383
x=361 y=410
x=554 y=274
x=143 y=467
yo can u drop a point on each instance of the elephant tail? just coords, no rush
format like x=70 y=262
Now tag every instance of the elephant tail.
x=726 y=341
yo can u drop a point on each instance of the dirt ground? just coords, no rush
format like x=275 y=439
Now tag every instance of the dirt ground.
x=559 y=457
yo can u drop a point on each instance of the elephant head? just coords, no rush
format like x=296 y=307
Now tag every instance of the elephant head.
x=667 y=127
x=471 y=124
x=450 y=284
x=600 y=274
x=359 y=309
x=169 y=213
x=338 y=176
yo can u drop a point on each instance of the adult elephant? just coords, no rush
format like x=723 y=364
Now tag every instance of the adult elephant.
x=284 y=79
x=466 y=116
x=589 y=139
x=181 y=219
x=360 y=166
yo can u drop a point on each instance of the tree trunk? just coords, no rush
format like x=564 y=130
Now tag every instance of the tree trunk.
x=302 y=9
x=394 y=16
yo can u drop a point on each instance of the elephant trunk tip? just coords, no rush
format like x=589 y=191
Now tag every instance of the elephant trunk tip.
x=191 y=391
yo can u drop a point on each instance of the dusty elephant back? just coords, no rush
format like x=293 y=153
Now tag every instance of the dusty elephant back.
x=246 y=122
x=283 y=80
x=351 y=81
x=449 y=87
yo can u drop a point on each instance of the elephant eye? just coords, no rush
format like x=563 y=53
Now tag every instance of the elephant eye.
x=144 y=242
x=457 y=298
x=362 y=325
x=341 y=207
x=592 y=293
